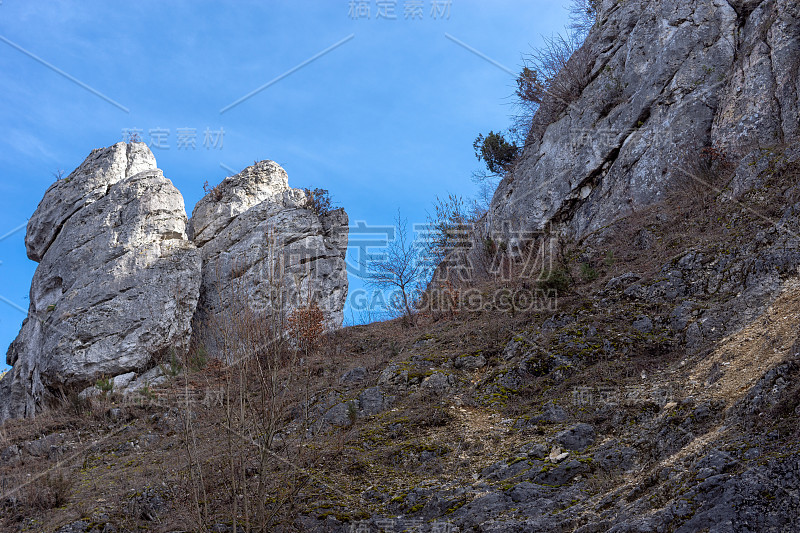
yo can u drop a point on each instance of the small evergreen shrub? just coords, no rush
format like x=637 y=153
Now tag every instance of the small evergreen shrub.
x=495 y=151
x=588 y=272
x=105 y=385
x=556 y=279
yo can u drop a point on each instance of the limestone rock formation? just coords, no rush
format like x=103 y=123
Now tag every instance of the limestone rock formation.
x=264 y=251
x=657 y=82
x=117 y=282
x=86 y=184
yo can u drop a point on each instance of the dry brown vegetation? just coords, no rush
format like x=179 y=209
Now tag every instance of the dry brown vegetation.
x=216 y=457
x=235 y=436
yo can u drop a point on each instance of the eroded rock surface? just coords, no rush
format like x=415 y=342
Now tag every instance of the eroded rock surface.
x=119 y=279
x=662 y=81
x=86 y=184
x=264 y=251
x=117 y=282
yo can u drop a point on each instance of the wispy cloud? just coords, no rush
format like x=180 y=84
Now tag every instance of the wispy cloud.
x=57 y=70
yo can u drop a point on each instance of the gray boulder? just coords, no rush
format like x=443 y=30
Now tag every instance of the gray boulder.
x=577 y=437
x=438 y=383
x=469 y=362
x=371 y=401
x=117 y=283
x=551 y=413
x=643 y=325
x=354 y=375
x=265 y=252
x=341 y=414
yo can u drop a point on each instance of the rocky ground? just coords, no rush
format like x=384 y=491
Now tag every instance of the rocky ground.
x=659 y=392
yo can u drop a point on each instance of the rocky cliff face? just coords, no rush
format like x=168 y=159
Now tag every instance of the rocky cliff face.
x=662 y=80
x=118 y=281
x=264 y=250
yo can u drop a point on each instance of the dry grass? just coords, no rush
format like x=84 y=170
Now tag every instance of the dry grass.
x=247 y=455
x=750 y=353
x=422 y=437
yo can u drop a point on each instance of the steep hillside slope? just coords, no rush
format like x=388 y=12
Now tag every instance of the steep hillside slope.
x=639 y=374
x=658 y=393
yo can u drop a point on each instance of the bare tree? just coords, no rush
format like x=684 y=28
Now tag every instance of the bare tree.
x=449 y=228
x=260 y=461
x=400 y=271
x=548 y=72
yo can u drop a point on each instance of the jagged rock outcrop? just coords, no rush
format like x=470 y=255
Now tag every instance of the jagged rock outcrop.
x=88 y=183
x=661 y=81
x=117 y=282
x=265 y=250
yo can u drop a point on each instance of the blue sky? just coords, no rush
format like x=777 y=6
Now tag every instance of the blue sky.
x=385 y=120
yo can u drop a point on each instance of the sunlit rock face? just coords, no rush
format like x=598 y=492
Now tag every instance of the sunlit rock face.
x=121 y=271
x=661 y=81
x=117 y=282
x=266 y=252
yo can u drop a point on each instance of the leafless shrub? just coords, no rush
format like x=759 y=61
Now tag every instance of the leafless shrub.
x=319 y=201
x=53 y=491
x=428 y=411
x=449 y=227
x=78 y=405
x=215 y=192
x=583 y=16
x=553 y=75
x=601 y=480
x=449 y=245
x=260 y=458
x=306 y=326
x=705 y=173
x=558 y=71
